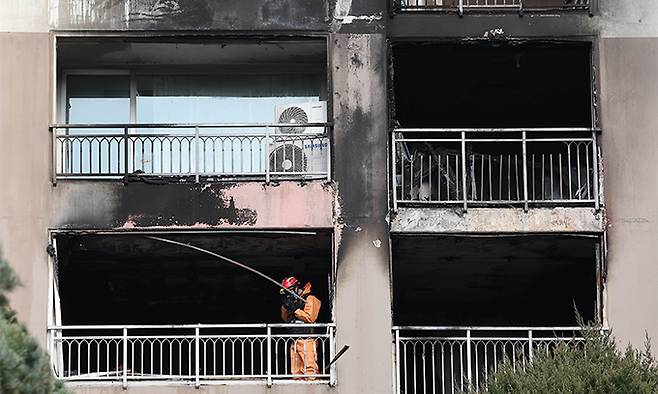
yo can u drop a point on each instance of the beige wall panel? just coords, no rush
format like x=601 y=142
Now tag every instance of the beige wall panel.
x=630 y=155
x=24 y=16
x=24 y=160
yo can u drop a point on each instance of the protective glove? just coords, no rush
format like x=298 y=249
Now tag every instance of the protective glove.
x=292 y=303
x=298 y=304
x=289 y=303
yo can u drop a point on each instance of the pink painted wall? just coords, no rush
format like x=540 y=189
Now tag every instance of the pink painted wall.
x=287 y=205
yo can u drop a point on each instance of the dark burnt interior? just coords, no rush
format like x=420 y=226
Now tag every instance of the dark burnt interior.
x=493 y=280
x=492 y=85
x=130 y=279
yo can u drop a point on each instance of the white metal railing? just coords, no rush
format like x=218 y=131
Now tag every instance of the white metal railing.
x=485 y=167
x=226 y=151
x=434 y=360
x=494 y=5
x=194 y=354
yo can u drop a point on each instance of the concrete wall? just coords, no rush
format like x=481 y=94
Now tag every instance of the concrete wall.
x=24 y=157
x=363 y=297
x=24 y=16
x=236 y=15
x=174 y=206
x=630 y=146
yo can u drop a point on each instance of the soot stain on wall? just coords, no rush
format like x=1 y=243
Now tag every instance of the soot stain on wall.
x=169 y=10
x=181 y=205
x=194 y=14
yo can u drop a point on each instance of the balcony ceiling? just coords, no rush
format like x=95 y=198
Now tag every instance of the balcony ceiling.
x=493 y=279
x=122 y=53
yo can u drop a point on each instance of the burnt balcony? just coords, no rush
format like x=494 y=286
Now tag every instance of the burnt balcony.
x=462 y=305
x=465 y=6
x=453 y=359
x=133 y=311
x=495 y=167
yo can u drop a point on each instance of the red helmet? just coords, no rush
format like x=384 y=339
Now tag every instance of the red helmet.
x=289 y=282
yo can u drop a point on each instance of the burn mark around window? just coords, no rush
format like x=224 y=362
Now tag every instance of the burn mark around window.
x=198 y=205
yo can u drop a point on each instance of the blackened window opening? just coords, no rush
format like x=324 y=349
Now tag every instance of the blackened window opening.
x=126 y=279
x=493 y=281
x=492 y=85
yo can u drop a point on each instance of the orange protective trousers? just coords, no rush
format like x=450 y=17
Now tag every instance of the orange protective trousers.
x=304 y=359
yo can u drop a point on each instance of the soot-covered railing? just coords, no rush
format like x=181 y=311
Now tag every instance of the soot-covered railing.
x=194 y=354
x=453 y=359
x=222 y=151
x=462 y=6
x=489 y=167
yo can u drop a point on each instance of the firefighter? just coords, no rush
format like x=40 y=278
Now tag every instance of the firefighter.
x=303 y=354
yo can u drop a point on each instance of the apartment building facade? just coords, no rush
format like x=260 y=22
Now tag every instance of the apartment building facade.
x=455 y=178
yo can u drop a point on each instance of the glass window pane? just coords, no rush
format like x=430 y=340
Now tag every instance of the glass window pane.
x=220 y=99
x=95 y=99
x=98 y=99
x=215 y=99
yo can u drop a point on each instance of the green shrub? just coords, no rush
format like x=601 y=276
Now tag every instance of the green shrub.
x=24 y=367
x=596 y=365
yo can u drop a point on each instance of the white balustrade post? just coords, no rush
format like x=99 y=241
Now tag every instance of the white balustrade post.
x=196 y=357
x=394 y=167
x=397 y=362
x=468 y=358
x=268 y=143
x=59 y=350
x=530 y=345
x=329 y=139
x=197 y=153
x=53 y=136
x=595 y=170
x=125 y=357
x=269 y=356
x=332 y=354
x=525 y=172
x=126 y=170
x=464 y=191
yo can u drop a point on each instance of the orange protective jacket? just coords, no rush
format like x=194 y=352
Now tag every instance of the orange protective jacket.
x=311 y=308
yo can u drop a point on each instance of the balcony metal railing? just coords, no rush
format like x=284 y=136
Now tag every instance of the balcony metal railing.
x=193 y=354
x=487 y=167
x=454 y=359
x=462 y=6
x=225 y=151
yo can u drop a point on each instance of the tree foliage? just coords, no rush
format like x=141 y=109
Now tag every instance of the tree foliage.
x=594 y=365
x=24 y=367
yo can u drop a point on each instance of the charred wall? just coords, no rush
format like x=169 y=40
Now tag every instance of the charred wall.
x=113 y=205
x=192 y=15
x=492 y=26
x=360 y=172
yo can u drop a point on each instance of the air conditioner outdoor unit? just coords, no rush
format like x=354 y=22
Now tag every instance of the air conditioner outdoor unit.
x=298 y=148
